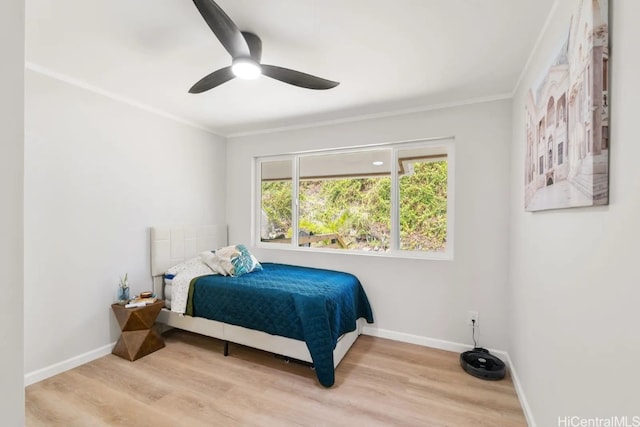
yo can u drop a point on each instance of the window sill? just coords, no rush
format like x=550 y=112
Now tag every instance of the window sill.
x=428 y=256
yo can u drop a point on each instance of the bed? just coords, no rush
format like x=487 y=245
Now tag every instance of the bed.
x=311 y=322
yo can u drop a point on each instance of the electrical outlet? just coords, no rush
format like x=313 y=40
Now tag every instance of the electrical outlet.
x=471 y=317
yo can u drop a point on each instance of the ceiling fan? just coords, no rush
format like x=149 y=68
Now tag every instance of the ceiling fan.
x=246 y=52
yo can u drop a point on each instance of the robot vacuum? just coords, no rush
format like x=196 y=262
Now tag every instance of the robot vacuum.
x=482 y=364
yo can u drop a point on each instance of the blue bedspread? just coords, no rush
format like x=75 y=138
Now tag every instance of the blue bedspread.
x=312 y=305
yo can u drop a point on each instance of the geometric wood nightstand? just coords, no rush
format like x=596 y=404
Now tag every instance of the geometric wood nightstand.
x=138 y=336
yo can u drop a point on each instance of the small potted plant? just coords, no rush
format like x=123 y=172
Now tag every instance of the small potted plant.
x=123 y=289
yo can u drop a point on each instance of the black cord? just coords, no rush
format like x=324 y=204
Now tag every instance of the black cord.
x=473 y=333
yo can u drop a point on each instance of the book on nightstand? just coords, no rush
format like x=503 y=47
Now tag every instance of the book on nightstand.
x=140 y=302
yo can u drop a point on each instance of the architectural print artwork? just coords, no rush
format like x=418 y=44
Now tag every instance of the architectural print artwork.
x=567 y=118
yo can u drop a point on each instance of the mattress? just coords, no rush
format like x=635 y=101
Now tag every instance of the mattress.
x=167 y=292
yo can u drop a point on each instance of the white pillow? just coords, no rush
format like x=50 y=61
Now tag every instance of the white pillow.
x=228 y=252
x=184 y=265
x=214 y=263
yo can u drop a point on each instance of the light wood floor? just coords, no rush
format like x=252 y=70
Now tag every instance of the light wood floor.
x=190 y=383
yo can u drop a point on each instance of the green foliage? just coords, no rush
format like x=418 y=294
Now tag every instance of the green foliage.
x=359 y=209
x=276 y=202
x=350 y=207
x=423 y=207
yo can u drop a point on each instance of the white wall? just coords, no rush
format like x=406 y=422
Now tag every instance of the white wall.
x=11 y=222
x=574 y=278
x=98 y=173
x=417 y=297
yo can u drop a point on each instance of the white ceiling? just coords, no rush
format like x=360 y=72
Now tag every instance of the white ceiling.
x=387 y=55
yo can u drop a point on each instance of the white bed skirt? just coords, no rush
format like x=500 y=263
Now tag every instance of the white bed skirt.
x=261 y=340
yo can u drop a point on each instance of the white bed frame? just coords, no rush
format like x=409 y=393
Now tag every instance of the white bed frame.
x=172 y=245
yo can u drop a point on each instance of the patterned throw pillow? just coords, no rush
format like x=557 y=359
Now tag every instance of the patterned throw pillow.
x=245 y=262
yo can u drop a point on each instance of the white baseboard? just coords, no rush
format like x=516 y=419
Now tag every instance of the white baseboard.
x=426 y=341
x=65 y=365
x=528 y=414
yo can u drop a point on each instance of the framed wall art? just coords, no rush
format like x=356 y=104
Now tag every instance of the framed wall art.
x=567 y=118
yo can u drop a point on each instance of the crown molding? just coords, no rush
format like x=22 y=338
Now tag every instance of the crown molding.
x=114 y=96
x=373 y=116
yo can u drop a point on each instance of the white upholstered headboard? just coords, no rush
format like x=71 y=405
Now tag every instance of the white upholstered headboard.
x=172 y=245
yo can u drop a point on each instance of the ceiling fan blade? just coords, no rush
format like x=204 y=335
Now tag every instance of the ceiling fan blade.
x=214 y=79
x=255 y=45
x=223 y=27
x=297 y=78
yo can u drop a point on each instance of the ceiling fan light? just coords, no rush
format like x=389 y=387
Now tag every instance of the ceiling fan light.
x=245 y=68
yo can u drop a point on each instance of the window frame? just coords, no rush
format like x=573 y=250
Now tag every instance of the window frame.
x=446 y=143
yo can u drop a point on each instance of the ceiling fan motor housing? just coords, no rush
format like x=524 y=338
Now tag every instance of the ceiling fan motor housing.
x=246 y=68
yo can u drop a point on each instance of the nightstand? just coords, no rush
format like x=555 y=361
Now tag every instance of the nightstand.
x=138 y=338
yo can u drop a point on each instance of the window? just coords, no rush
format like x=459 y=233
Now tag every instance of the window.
x=561 y=153
x=422 y=184
x=276 y=197
x=344 y=200
x=392 y=199
x=540 y=166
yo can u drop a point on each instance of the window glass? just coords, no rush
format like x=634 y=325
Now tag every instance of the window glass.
x=422 y=183
x=345 y=201
x=276 y=201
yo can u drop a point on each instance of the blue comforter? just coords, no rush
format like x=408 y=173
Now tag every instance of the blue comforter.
x=312 y=305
